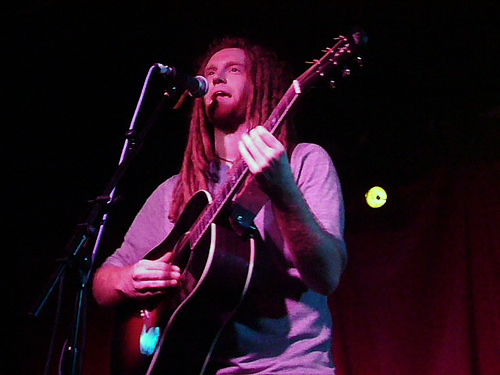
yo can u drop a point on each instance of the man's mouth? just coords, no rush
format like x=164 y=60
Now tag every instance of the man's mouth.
x=219 y=94
x=214 y=98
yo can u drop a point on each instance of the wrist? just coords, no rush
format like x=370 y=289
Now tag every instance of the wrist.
x=123 y=279
x=286 y=197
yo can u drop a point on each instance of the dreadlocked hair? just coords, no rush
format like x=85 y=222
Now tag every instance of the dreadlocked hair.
x=269 y=79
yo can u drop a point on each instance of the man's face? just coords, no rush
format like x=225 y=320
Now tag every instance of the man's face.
x=229 y=88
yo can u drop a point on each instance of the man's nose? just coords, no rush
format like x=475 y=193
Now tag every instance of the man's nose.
x=219 y=77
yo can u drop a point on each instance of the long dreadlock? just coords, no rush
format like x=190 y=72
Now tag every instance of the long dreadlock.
x=269 y=79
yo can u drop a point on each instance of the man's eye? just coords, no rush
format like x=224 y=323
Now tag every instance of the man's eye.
x=209 y=73
x=235 y=70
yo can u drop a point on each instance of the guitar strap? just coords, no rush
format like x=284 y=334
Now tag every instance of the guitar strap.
x=246 y=204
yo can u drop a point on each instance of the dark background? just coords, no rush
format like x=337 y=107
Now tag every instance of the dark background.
x=427 y=96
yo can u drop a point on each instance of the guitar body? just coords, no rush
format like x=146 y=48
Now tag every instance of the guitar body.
x=177 y=333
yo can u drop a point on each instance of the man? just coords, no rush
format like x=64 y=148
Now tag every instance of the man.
x=286 y=329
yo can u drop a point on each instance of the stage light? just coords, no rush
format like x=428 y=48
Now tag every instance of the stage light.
x=376 y=197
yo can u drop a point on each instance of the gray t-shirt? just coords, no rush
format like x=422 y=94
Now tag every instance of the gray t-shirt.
x=283 y=326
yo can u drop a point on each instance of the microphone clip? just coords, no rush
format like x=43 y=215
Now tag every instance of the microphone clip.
x=195 y=86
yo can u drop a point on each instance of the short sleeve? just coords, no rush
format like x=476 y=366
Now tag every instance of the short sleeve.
x=318 y=181
x=149 y=228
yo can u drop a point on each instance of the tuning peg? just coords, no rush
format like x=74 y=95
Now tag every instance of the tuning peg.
x=332 y=84
x=359 y=61
x=346 y=72
x=312 y=62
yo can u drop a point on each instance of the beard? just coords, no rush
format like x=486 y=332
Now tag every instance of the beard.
x=225 y=117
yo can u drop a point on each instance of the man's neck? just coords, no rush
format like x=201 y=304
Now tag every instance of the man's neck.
x=226 y=144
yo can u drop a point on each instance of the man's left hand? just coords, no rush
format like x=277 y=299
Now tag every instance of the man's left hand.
x=267 y=160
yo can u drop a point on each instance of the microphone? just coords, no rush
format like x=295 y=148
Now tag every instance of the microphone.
x=196 y=86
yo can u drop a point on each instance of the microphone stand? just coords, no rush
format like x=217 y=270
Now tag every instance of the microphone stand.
x=78 y=248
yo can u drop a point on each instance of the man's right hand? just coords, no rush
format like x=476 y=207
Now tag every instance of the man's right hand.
x=147 y=278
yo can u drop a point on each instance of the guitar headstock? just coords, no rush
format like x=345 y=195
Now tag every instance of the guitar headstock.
x=335 y=59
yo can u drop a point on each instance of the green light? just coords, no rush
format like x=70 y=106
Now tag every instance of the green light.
x=149 y=339
x=376 y=197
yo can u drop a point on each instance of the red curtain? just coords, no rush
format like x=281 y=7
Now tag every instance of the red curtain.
x=421 y=292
